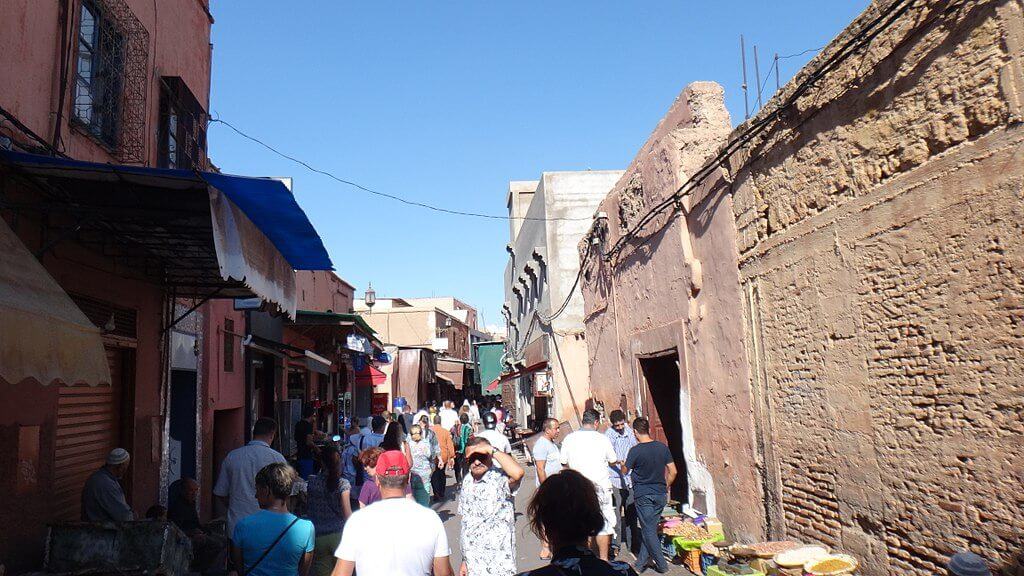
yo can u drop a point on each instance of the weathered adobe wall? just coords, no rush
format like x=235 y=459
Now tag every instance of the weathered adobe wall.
x=880 y=252
x=678 y=290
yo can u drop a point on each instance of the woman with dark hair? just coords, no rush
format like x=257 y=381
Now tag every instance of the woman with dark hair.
x=329 y=507
x=566 y=513
x=393 y=438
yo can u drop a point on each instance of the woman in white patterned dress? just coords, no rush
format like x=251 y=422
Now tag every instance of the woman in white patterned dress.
x=487 y=534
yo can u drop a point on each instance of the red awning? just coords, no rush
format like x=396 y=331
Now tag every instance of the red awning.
x=370 y=376
x=510 y=375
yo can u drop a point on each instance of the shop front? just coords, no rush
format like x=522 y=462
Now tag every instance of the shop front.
x=112 y=261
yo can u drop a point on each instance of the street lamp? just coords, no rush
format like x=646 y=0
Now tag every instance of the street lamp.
x=370 y=297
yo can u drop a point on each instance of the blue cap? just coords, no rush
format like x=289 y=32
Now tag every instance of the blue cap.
x=967 y=564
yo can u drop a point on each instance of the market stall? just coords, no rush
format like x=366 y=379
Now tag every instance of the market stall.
x=699 y=542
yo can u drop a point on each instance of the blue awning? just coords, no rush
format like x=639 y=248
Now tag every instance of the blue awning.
x=265 y=201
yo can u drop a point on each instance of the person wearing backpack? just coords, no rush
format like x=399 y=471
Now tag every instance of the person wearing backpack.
x=461 y=434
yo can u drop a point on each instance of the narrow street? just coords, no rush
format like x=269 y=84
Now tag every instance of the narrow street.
x=527 y=544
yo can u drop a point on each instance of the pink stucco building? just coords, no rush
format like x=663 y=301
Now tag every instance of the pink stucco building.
x=139 y=266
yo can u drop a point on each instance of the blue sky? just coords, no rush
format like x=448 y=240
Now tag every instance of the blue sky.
x=445 y=102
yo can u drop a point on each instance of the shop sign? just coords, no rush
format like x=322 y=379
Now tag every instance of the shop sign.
x=379 y=402
x=542 y=384
x=359 y=343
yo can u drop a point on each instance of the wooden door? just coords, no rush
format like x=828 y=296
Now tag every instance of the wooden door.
x=661 y=407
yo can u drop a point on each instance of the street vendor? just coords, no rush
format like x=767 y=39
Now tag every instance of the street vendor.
x=103 y=497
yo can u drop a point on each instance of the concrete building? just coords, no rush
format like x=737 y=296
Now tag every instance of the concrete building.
x=401 y=322
x=826 y=326
x=434 y=339
x=547 y=219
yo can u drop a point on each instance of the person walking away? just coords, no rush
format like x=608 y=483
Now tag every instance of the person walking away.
x=449 y=417
x=446 y=457
x=465 y=430
x=351 y=468
x=491 y=433
x=305 y=447
x=328 y=507
x=652 y=470
x=423 y=459
x=589 y=452
x=236 y=484
x=622 y=439
x=376 y=436
x=273 y=541
x=487 y=529
x=370 y=545
x=103 y=496
x=566 y=512
x=474 y=413
x=548 y=462
x=207 y=548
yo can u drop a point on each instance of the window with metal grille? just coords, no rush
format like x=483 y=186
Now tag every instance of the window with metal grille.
x=99 y=74
x=229 y=345
x=182 y=134
x=110 y=79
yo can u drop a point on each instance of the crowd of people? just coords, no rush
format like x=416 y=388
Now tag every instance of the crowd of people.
x=361 y=504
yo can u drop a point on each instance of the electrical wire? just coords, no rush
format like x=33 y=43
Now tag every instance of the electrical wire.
x=400 y=199
x=864 y=36
x=536 y=318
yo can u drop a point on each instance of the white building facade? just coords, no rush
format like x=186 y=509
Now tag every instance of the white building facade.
x=543 y=305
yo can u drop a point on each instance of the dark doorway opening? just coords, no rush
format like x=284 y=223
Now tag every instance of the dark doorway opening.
x=183 y=422
x=662 y=408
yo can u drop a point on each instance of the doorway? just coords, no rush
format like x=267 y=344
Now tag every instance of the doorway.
x=182 y=445
x=661 y=406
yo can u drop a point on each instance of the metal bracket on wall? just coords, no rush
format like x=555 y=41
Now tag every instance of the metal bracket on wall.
x=195 y=307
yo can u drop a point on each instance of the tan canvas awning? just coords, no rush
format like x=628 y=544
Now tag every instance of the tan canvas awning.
x=452 y=371
x=43 y=335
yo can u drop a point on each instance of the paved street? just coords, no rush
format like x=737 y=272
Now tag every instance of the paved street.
x=527 y=544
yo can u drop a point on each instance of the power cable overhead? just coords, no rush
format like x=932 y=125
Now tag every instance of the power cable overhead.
x=400 y=199
x=759 y=124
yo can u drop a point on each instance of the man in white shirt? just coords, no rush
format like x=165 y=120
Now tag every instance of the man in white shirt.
x=498 y=440
x=370 y=545
x=236 y=485
x=449 y=417
x=589 y=452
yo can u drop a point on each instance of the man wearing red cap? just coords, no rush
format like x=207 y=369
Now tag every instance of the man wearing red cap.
x=370 y=544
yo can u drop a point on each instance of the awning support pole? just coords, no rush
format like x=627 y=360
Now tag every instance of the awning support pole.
x=205 y=299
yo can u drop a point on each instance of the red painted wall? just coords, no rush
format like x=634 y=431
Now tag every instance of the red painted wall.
x=223 y=391
x=179 y=45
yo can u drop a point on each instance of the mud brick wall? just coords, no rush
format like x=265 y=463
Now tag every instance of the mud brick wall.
x=880 y=234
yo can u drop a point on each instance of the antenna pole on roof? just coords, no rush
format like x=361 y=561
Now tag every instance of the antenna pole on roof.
x=757 y=78
x=743 y=63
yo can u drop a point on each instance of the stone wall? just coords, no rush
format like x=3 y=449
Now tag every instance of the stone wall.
x=847 y=296
x=880 y=226
x=671 y=293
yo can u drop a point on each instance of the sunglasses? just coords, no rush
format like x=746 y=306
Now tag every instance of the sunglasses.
x=481 y=458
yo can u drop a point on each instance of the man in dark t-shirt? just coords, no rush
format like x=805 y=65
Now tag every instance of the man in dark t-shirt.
x=652 y=470
x=304 y=442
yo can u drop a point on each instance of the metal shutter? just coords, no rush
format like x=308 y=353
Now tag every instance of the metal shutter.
x=87 y=430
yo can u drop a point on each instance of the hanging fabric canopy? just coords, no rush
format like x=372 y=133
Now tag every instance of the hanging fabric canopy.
x=370 y=376
x=44 y=336
x=201 y=234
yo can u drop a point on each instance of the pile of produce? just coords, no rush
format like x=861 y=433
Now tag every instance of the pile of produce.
x=831 y=565
x=686 y=530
